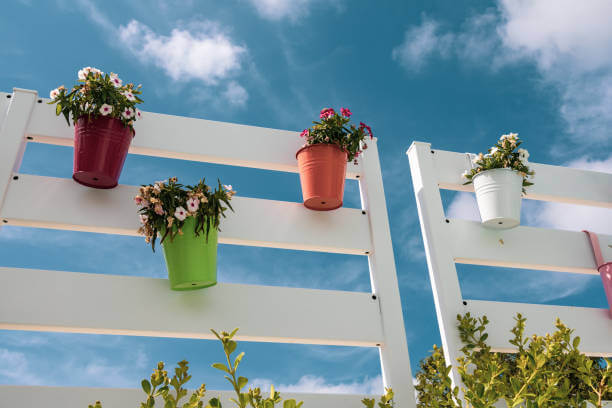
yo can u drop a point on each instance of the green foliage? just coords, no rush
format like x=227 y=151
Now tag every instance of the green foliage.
x=547 y=371
x=334 y=128
x=164 y=206
x=171 y=390
x=386 y=401
x=95 y=94
x=505 y=154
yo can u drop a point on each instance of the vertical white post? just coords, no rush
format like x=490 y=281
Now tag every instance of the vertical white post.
x=440 y=262
x=394 y=357
x=12 y=136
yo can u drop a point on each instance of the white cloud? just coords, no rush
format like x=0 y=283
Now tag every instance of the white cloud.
x=14 y=368
x=202 y=54
x=235 y=94
x=421 y=43
x=570 y=43
x=318 y=385
x=292 y=10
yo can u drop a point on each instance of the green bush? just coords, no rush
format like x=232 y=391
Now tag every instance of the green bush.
x=171 y=390
x=547 y=371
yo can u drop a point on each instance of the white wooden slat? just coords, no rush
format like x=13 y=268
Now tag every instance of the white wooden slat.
x=524 y=247
x=394 y=356
x=12 y=127
x=194 y=139
x=440 y=263
x=80 y=397
x=255 y=222
x=552 y=183
x=592 y=325
x=125 y=305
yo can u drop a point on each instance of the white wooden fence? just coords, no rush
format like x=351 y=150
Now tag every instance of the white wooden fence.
x=450 y=241
x=66 y=302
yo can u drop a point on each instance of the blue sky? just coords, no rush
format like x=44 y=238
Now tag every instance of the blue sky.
x=455 y=74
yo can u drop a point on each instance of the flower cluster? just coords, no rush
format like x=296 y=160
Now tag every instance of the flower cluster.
x=332 y=129
x=97 y=93
x=505 y=154
x=164 y=206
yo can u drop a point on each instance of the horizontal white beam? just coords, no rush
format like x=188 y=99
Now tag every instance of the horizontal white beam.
x=256 y=222
x=69 y=397
x=593 y=326
x=552 y=183
x=177 y=137
x=136 y=306
x=524 y=247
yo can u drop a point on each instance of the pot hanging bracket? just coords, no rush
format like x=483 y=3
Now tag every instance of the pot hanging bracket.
x=604 y=268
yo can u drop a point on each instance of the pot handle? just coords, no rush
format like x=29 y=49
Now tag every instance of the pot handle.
x=596 y=248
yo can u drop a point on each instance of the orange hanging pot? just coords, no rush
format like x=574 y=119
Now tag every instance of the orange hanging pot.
x=322 y=170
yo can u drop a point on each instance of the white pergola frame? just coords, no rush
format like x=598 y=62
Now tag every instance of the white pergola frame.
x=66 y=301
x=450 y=241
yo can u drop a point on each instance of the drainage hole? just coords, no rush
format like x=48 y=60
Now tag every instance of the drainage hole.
x=500 y=223
x=322 y=202
x=193 y=284
x=95 y=179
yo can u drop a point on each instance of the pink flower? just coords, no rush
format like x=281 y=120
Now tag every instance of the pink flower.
x=346 y=112
x=327 y=112
x=368 y=129
x=180 y=213
x=141 y=201
x=193 y=204
x=305 y=133
x=159 y=210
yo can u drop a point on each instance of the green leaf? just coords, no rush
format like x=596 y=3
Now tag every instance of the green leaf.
x=146 y=386
x=221 y=367
x=242 y=381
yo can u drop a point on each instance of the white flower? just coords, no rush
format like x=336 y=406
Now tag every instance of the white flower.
x=106 y=109
x=130 y=96
x=128 y=113
x=465 y=174
x=85 y=71
x=475 y=160
x=144 y=218
x=523 y=155
x=138 y=113
x=494 y=150
x=228 y=187
x=193 y=204
x=116 y=80
x=180 y=213
x=54 y=93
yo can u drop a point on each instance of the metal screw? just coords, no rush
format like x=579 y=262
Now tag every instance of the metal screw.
x=5 y=221
x=377 y=344
x=432 y=152
x=29 y=138
x=464 y=303
x=374 y=297
x=8 y=96
x=447 y=221
x=367 y=252
x=357 y=176
x=363 y=212
x=40 y=101
x=15 y=177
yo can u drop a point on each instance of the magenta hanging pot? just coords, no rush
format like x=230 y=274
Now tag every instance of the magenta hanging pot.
x=100 y=147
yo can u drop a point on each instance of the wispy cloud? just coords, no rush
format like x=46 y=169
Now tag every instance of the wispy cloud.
x=199 y=51
x=569 y=44
x=319 y=385
x=292 y=10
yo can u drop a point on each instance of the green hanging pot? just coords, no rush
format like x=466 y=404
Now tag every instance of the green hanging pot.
x=191 y=260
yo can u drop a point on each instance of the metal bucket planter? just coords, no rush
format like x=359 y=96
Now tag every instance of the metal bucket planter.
x=322 y=173
x=100 y=147
x=498 y=193
x=191 y=260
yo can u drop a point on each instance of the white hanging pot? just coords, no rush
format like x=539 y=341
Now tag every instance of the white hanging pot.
x=498 y=193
